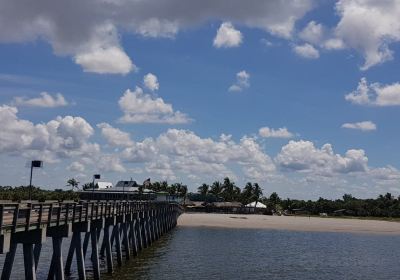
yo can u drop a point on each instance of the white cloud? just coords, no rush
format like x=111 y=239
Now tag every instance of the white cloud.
x=334 y=44
x=242 y=81
x=227 y=36
x=139 y=107
x=45 y=100
x=150 y=81
x=183 y=151
x=76 y=167
x=114 y=136
x=112 y=60
x=282 y=132
x=388 y=173
x=185 y=155
x=363 y=126
x=313 y=33
x=155 y=28
x=63 y=137
x=369 y=27
x=306 y=50
x=102 y=53
x=305 y=157
x=375 y=94
x=88 y=30
x=110 y=163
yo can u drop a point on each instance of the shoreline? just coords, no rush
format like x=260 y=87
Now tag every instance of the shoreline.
x=290 y=223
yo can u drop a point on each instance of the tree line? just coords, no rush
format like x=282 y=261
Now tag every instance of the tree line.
x=22 y=193
x=383 y=206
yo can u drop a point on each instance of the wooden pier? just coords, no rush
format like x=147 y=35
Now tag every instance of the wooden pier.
x=125 y=227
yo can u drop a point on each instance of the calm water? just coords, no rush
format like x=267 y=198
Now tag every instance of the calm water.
x=208 y=253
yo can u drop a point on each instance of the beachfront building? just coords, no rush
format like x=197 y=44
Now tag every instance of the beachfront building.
x=104 y=185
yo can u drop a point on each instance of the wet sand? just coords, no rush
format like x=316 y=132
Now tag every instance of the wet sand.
x=289 y=223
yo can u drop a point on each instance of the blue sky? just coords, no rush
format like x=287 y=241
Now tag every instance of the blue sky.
x=302 y=97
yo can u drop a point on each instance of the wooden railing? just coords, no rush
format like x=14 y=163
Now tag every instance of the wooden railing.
x=16 y=217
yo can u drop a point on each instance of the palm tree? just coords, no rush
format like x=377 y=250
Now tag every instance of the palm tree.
x=164 y=186
x=156 y=186
x=229 y=189
x=247 y=193
x=73 y=183
x=203 y=189
x=183 y=192
x=257 y=192
x=216 y=188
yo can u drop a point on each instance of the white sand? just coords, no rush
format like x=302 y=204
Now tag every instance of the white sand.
x=289 y=223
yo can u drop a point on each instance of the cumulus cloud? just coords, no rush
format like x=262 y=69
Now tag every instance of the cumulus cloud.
x=114 y=136
x=182 y=154
x=313 y=33
x=139 y=107
x=110 y=163
x=183 y=151
x=363 y=126
x=375 y=94
x=282 y=132
x=242 y=81
x=62 y=137
x=45 y=100
x=227 y=36
x=150 y=81
x=112 y=60
x=76 y=167
x=387 y=173
x=369 y=27
x=306 y=50
x=303 y=156
x=103 y=54
x=88 y=30
x=333 y=44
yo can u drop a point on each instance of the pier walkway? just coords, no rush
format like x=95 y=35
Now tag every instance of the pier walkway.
x=122 y=227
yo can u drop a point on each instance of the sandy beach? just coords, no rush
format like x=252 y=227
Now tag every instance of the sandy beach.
x=289 y=223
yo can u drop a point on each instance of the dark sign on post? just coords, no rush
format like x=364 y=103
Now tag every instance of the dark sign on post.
x=34 y=164
x=37 y=163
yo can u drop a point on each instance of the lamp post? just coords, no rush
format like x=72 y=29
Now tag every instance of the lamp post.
x=95 y=176
x=34 y=164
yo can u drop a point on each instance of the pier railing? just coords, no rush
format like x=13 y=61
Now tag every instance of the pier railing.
x=134 y=225
x=15 y=217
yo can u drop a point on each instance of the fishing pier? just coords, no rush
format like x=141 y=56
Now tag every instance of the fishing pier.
x=120 y=228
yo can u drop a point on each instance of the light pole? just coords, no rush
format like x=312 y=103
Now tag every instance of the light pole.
x=38 y=164
x=95 y=176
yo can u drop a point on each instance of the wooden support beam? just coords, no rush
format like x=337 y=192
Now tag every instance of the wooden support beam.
x=8 y=262
x=29 y=262
x=36 y=253
x=80 y=259
x=57 y=261
x=109 y=258
x=70 y=255
x=95 y=254
x=133 y=239
x=125 y=240
x=118 y=244
x=86 y=243
x=138 y=232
